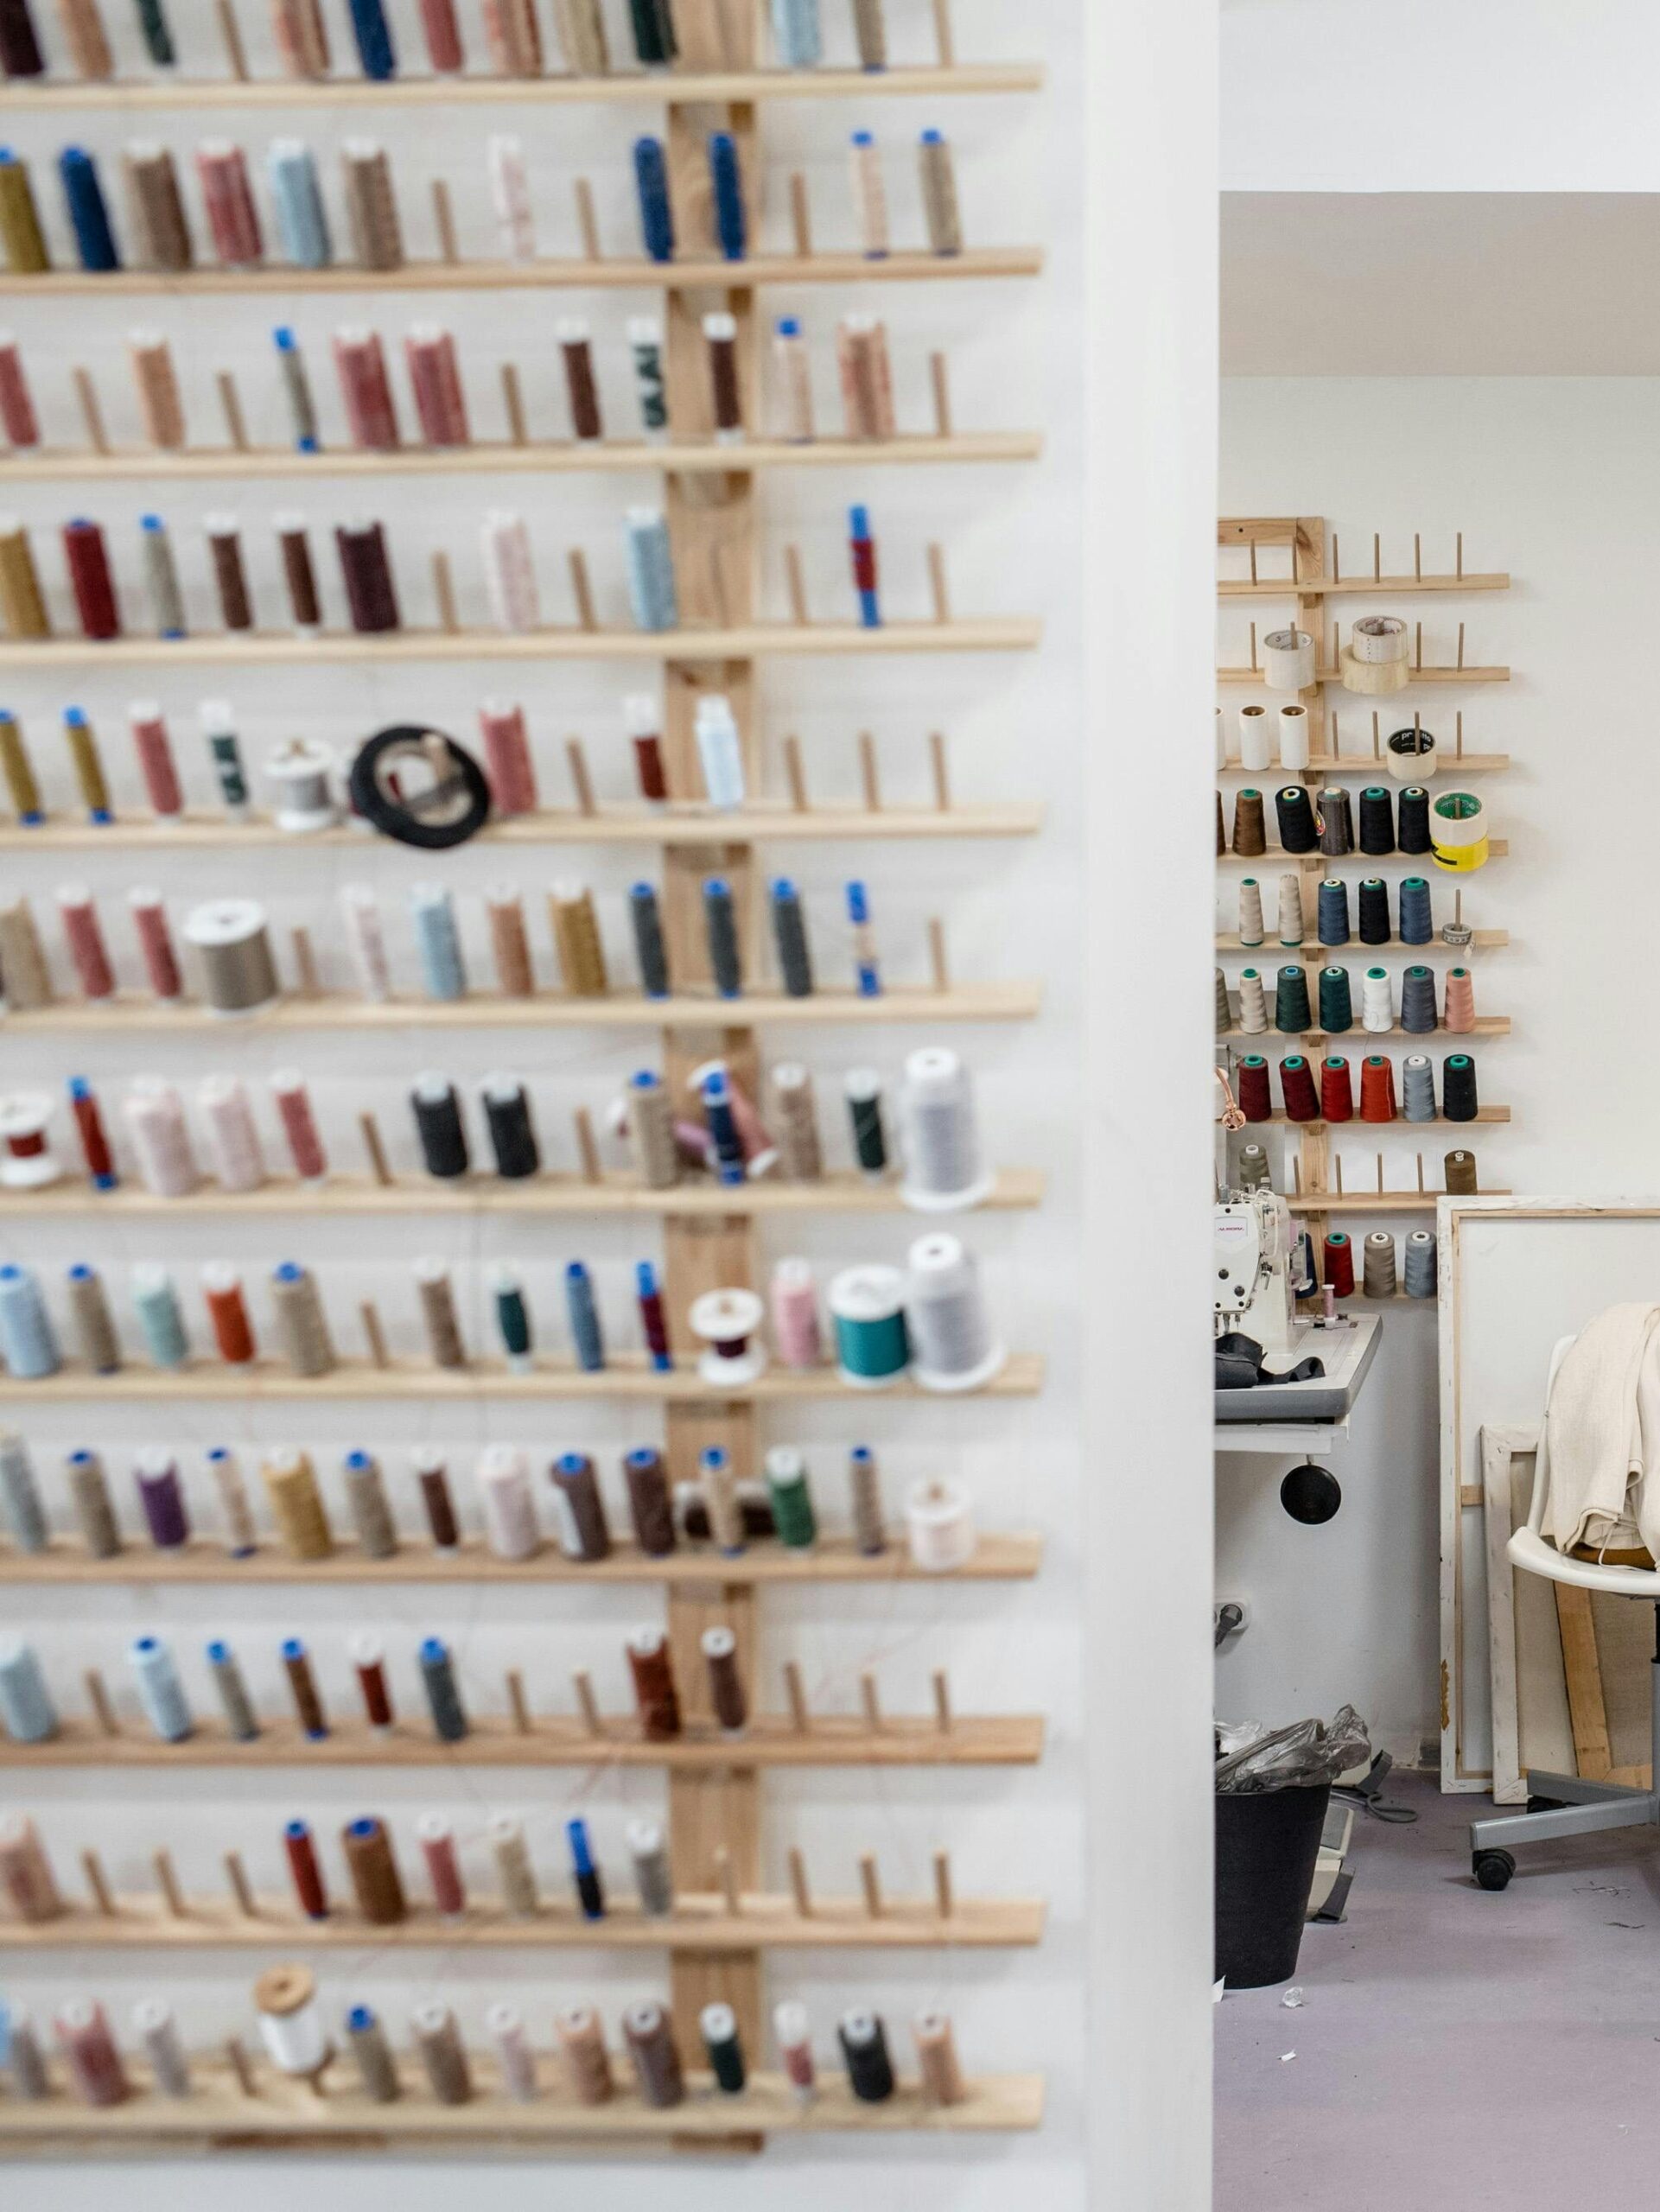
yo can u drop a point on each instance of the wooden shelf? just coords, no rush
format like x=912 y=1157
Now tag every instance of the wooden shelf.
x=607 y=825
x=1379 y=587
x=654 y=89
x=1498 y=848
x=397 y=648
x=288 y=2115
x=1482 y=941
x=282 y=1199
x=702 y=1922
x=834 y=1560
x=1490 y=1113
x=280 y=283
x=1374 y=1202
x=558 y=1739
x=1425 y=675
x=149 y=464
x=128 y=1013
x=1486 y=1024
x=1368 y=767
x=626 y=1378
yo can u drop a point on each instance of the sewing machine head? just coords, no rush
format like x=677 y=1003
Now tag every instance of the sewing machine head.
x=1254 y=1246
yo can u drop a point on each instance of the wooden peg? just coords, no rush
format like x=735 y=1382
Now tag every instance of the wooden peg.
x=1336 y=745
x=230 y=32
x=1420 y=1174
x=1417 y=557
x=941 y=766
x=800 y=216
x=580 y=589
x=444 y=221
x=370 y=1129
x=717 y=591
x=869 y=783
x=944 y=44
x=230 y=402
x=799 y=1884
x=1457 y=908
x=237 y=2061
x=1380 y=1174
x=873 y=1710
x=1377 y=737
x=1337 y=1163
x=1417 y=645
x=582 y=1684
x=1376 y=557
x=99 y=1697
x=937 y=584
x=1337 y=573
x=443 y=591
x=588 y=225
x=241 y=1889
x=581 y=782
x=512 y=400
x=940 y=383
x=1457 y=739
x=726 y=1878
x=944 y=1900
x=167 y=1881
x=1253 y=649
x=516 y=1701
x=1458 y=568
x=92 y=413
x=587 y=1150
x=937 y=960
x=305 y=962
x=942 y=1701
x=870 y=1884
x=796 y=585
x=1296 y=1177
x=92 y=1867
x=1461 y=658
x=1417 y=731
x=797 y=1697
x=793 y=776
x=1251 y=549
x=373 y=1335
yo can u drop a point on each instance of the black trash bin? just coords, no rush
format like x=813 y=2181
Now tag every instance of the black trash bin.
x=1266 y=1842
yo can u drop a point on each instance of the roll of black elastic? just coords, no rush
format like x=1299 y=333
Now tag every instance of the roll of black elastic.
x=1336 y=822
x=438 y=1124
x=1377 y=820
x=512 y=1136
x=451 y=803
x=1413 y=828
x=1295 y=818
x=1374 y=911
x=648 y=941
x=1458 y=1088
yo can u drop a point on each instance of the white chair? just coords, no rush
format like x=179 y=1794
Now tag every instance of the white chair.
x=1582 y=1807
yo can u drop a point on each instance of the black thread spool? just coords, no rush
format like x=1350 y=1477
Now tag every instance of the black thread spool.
x=366 y=570
x=864 y=2046
x=1376 y=819
x=720 y=934
x=1374 y=911
x=1221 y=832
x=1458 y=1088
x=1291 y=1014
x=512 y=1137
x=438 y=1124
x=719 y=2023
x=1295 y=817
x=1418 y=1002
x=1336 y=822
x=1332 y=926
x=864 y=1087
x=649 y=949
x=790 y=936
x=1414 y=820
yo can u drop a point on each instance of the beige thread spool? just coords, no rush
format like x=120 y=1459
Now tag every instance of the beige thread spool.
x=22 y=605
x=158 y=390
x=155 y=206
x=504 y=909
x=866 y=376
x=26 y=1873
x=23 y=973
x=576 y=934
x=297 y=28
x=795 y=1123
x=89 y=1496
x=939 y=204
x=1378 y=1266
x=296 y=1503
x=439 y=2042
x=302 y=1336
x=513 y=1870
x=369 y=1506
x=371 y=205
x=83 y=33
x=438 y=1314
x=650 y=1134
x=233 y=954
x=942 y=2077
x=581 y=33
x=89 y=1312
x=581 y=2047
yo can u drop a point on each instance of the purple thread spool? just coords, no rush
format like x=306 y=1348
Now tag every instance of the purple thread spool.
x=161 y=1496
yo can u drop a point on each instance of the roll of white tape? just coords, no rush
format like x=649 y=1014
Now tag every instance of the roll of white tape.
x=1254 y=723
x=1287 y=660
x=1412 y=755
x=1294 y=737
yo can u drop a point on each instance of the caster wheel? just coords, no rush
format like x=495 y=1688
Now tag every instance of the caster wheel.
x=1493 y=1869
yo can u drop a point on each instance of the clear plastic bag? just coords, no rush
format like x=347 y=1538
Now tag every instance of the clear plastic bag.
x=1251 y=1757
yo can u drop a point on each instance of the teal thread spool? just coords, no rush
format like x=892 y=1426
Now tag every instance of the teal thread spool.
x=1336 y=1006
x=156 y=1304
x=786 y=1486
x=866 y=1305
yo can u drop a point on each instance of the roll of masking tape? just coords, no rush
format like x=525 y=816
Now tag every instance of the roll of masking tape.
x=1287 y=660
x=1458 y=832
x=1373 y=662
x=1411 y=755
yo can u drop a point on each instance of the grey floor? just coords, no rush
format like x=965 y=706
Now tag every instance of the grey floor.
x=1456 y=2051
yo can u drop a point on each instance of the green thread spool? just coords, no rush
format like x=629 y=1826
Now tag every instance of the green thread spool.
x=786 y=1486
x=158 y=37
x=1291 y=1014
x=866 y=1305
x=1336 y=1008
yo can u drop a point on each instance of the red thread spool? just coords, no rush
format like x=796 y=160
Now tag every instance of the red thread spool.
x=155 y=942
x=306 y=1872
x=443 y=36
x=654 y=1691
x=361 y=367
x=89 y=579
x=436 y=380
x=94 y=1143
x=85 y=939
x=1336 y=1265
x=299 y=1125
x=221 y=1289
x=653 y=1323
x=1376 y=1089
x=1336 y=1091
x=507 y=758
x=17 y=416
x=156 y=765
x=443 y=1868
x=1297 y=1089
x=1251 y=1087
x=369 y=1660
x=232 y=216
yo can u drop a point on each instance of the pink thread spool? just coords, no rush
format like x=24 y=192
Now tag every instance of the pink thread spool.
x=155 y=942
x=443 y=37
x=17 y=416
x=437 y=1841
x=510 y=571
x=436 y=380
x=795 y=1314
x=232 y=216
x=95 y=2067
x=507 y=758
x=233 y=1147
x=155 y=1124
x=155 y=764
x=361 y=367
x=299 y=1126
x=1460 y=1015
x=85 y=937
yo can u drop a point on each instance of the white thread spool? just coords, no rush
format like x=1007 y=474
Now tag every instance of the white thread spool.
x=365 y=940
x=938 y=1139
x=157 y=1125
x=1287 y=660
x=728 y=1320
x=1255 y=725
x=1373 y=662
x=1251 y=912
x=954 y=1346
x=1290 y=915
x=510 y=1528
x=156 y=2029
x=1221 y=741
x=1294 y=737
x=509 y=571
x=1253 y=1004
x=26 y=1161
x=301 y=769
x=290 y=2020
x=232 y=1139
x=504 y=2025
x=233 y=951
x=1376 y=1000
x=939 y=1523
x=510 y=194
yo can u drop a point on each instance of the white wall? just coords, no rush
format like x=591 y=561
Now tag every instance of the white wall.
x=1555 y=480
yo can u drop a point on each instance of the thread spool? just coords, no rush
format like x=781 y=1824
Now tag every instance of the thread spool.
x=514 y=1873
x=791 y=1498
x=89 y=218
x=1336 y=1090
x=1417 y=925
x=26 y=1879
x=233 y=954
x=26 y=1161
x=582 y=1313
x=1287 y=660
x=1459 y=1174
x=1288 y=919
x=302 y=1335
x=727 y=1697
x=1412 y=829
x=652 y=595
x=23 y=604
x=377 y=2069
x=438 y=1125
x=241 y=1538
x=373 y=1870
x=940 y=1525
x=240 y=1720
x=1331 y=913
x=368 y=1657
x=1336 y=822
x=1417 y=1000
x=867 y=1309
x=657 y=2063
x=509 y=572
x=371 y=205
x=953 y=1344
x=725 y=1322
x=577 y=937
x=20 y=1500
x=1250 y=837
x=653 y=1675
x=512 y=1136
x=1375 y=661
x=160 y=1498
x=434 y=1481
x=1420 y=1278
x=646 y=354
x=650 y=1507
x=1256 y=739
x=443 y=970
x=449 y=1720
x=161 y=1693
x=232 y=219
x=795 y=1314
x=290 y=1484
x=1291 y=1011
x=937 y=2062
x=1374 y=911
x=1297 y=1089
x=439 y=1319
x=795 y=1115
x=28 y=1344
x=1252 y=1084
x=1336 y=1007
x=96 y=2073
x=1376 y=1089
x=367 y=1503
x=225 y=752
x=301 y=219
x=303 y=1687
x=1253 y=1003
x=304 y=1871
x=1377 y=820
x=366 y=573
x=864 y=2048
x=1459 y=1011
x=1251 y=1172
x=504 y=1479
x=1295 y=819
x=1337 y=1264
x=1378 y=1278
x=504 y=2025
x=25 y=1709
x=84 y=935
x=89 y=1498
x=1251 y=912
x=1459 y=1087
x=290 y=2021
x=723 y=1511
x=581 y=2049
x=584 y=1533
x=508 y=766
x=1291 y=725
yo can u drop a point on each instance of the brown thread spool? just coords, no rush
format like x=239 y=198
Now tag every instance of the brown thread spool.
x=726 y=1688
x=439 y=2042
x=89 y=1494
x=653 y=1668
x=651 y=1506
x=302 y=1335
x=295 y=546
x=576 y=934
x=230 y=577
x=300 y=38
x=657 y=2063
x=89 y=1311
x=1458 y=1169
x=1250 y=834
x=366 y=569
x=22 y=607
x=866 y=376
x=158 y=390
x=581 y=2047
x=307 y=1705
x=795 y=1123
x=438 y=1315
x=1378 y=1265
x=373 y=2054
x=296 y=1503
x=22 y=958
x=371 y=205
x=939 y=204
x=581 y=33
x=370 y=1508
x=439 y=1506
x=505 y=909
x=83 y=33
x=513 y=1870
x=374 y=1872
x=942 y=2077
x=26 y=1878
x=576 y=350
x=156 y=207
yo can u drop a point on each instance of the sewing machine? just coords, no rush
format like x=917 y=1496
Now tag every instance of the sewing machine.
x=1256 y=1291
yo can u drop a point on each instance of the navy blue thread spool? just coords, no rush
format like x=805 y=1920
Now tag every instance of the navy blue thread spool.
x=1417 y=1088
x=1336 y=822
x=1374 y=911
x=374 y=40
x=1291 y=1014
x=652 y=184
x=1418 y=1000
x=1377 y=820
x=1332 y=925
x=720 y=932
x=584 y=1874
x=655 y=43
x=790 y=934
x=648 y=941
x=726 y=182
x=1413 y=820
x=1417 y=923
x=88 y=216
x=1459 y=1087
x=1336 y=1005
x=1295 y=819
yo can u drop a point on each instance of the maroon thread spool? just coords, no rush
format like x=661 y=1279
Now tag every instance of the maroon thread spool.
x=1252 y=1084
x=307 y=1873
x=1336 y=1090
x=89 y=579
x=1297 y=1089
x=1376 y=1089
x=1337 y=1264
x=367 y=573
x=654 y=1690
